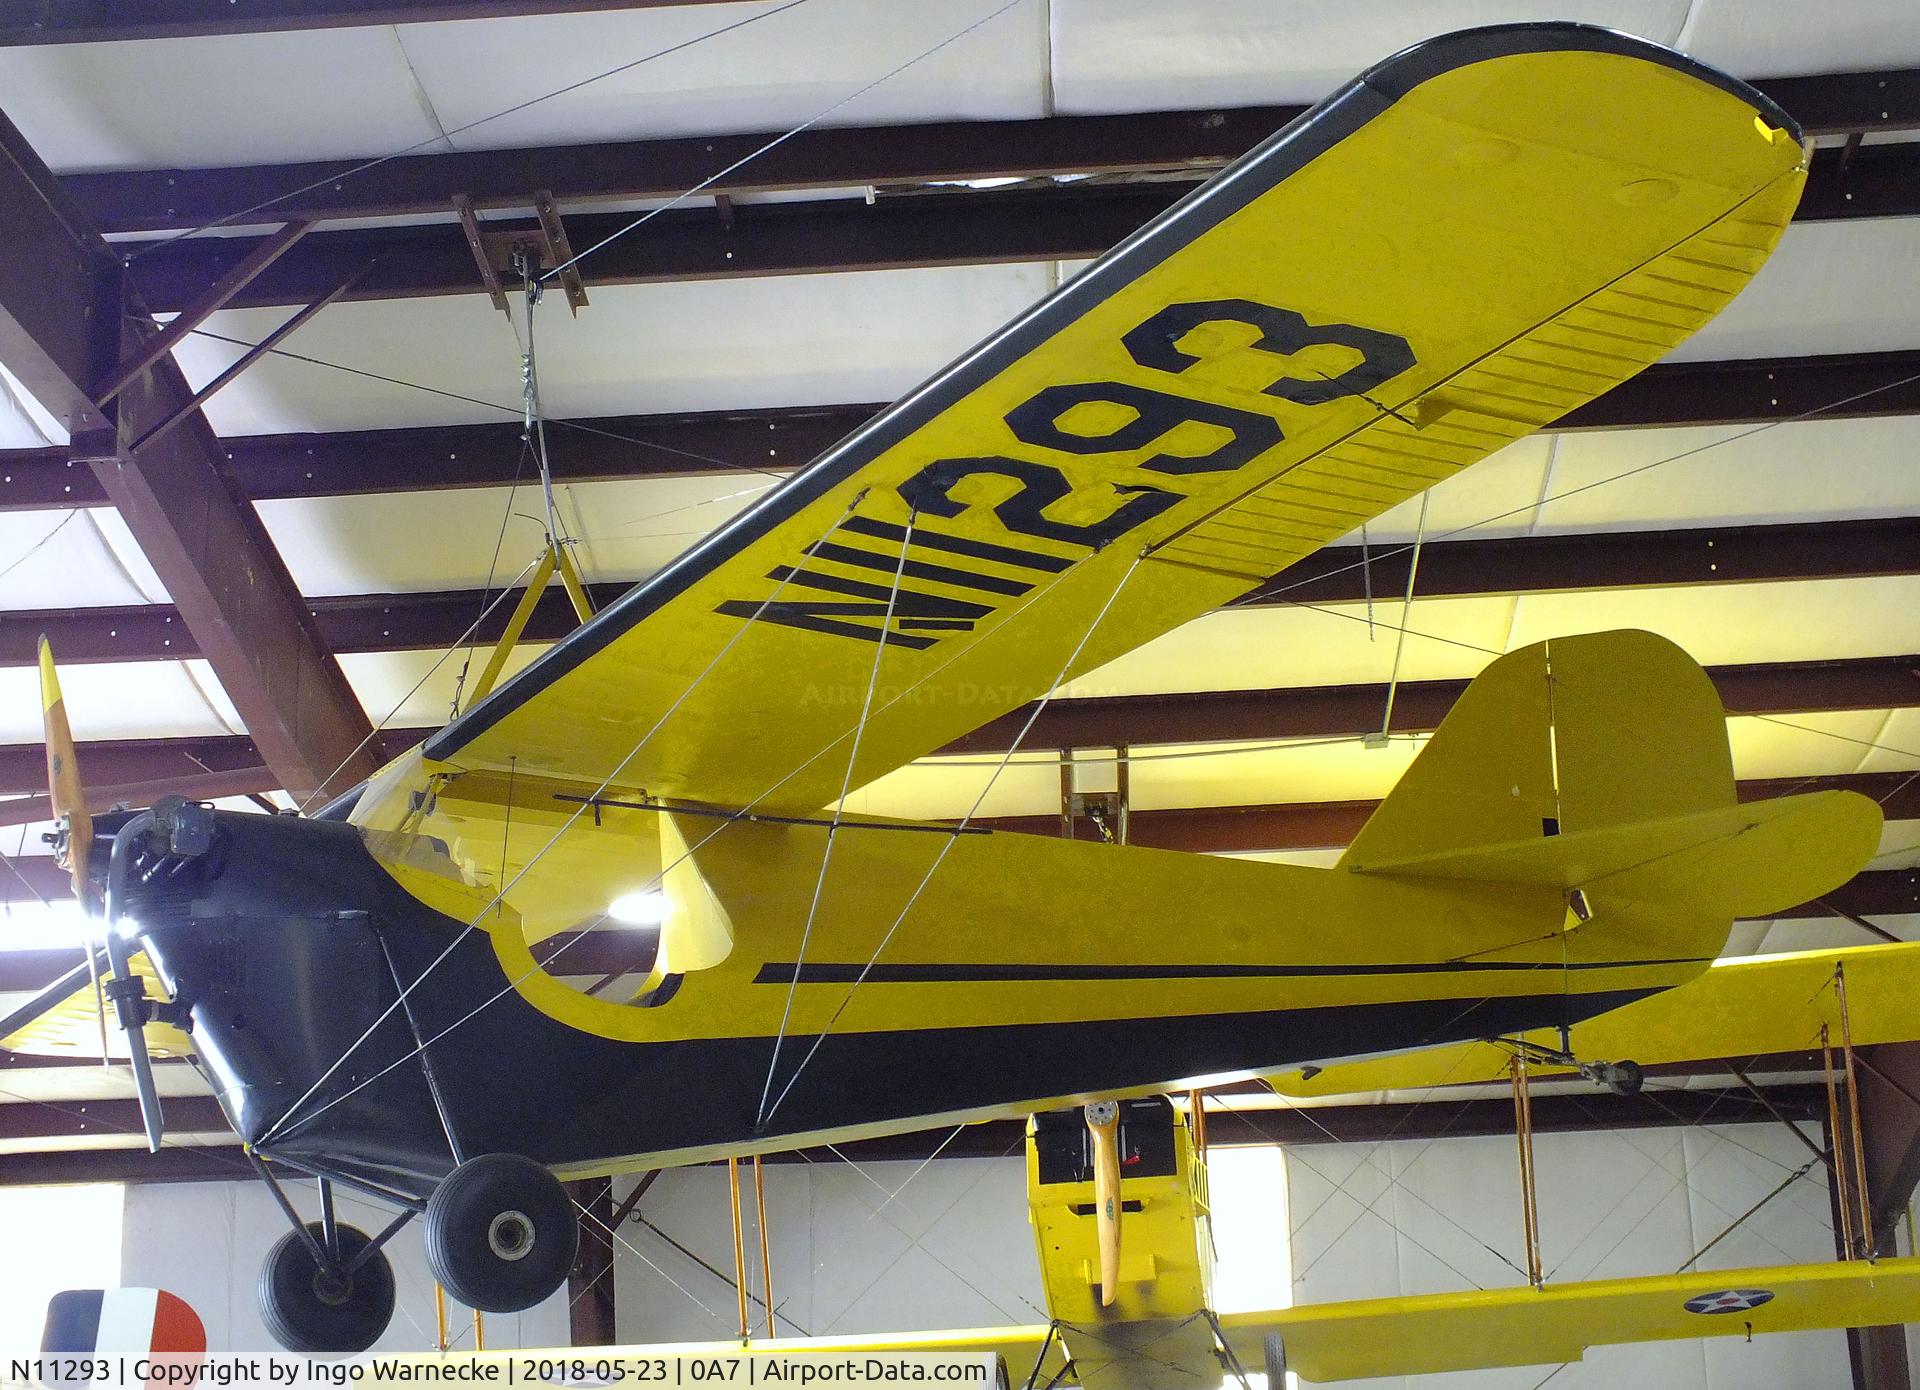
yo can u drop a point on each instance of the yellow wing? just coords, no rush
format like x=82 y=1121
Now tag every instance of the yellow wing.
x=1736 y=1008
x=1529 y=1327
x=63 y=1020
x=1473 y=238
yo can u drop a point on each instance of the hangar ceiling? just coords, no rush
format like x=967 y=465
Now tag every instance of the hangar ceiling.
x=1755 y=498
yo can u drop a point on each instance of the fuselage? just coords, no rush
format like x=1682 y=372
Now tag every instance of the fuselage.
x=350 y=1025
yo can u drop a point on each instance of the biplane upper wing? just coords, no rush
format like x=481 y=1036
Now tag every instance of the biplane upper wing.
x=1476 y=236
x=1739 y=1007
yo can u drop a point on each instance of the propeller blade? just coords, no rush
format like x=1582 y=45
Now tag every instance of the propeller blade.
x=63 y=777
x=128 y=992
x=1103 y=1123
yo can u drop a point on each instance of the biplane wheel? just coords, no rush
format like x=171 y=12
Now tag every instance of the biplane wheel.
x=500 y=1233
x=1275 y=1351
x=307 y=1309
x=1626 y=1078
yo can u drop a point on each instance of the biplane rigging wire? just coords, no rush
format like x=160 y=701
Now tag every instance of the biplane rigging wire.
x=779 y=140
x=947 y=845
x=882 y=640
x=639 y=1254
x=1393 y=1182
x=915 y=1242
x=441 y=136
x=1339 y=1189
x=500 y=894
x=1675 y=1184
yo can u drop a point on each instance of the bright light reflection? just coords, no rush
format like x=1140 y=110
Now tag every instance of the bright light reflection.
x=32 y=926
x=639 y=909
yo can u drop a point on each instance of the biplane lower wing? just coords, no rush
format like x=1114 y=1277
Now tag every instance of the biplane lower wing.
x=1479 y=1329
x=1484 y=1328
x=1473 y=238
x=1739 y=1007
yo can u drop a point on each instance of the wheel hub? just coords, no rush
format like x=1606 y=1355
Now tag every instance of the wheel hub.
x=332 y=1289
x=510 y=1235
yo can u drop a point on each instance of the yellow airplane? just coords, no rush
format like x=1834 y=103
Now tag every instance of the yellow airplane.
x=610 y=916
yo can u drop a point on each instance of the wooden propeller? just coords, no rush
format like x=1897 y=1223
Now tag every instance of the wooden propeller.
x=1103 y=1124
x=68 y=798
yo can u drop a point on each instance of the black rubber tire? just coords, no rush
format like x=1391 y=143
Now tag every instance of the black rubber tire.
x=1275 y=1351
x=485 y=1209
x=304 y=1314
x=1628 y=1078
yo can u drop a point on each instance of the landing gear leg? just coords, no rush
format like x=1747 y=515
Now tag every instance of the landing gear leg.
x=500 y=1233
x=1623 y=1078
x=326 y=1287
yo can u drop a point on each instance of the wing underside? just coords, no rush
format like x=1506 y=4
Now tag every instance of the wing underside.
x=1474 y=238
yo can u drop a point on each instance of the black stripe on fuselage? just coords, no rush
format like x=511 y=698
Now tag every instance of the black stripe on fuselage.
x=829 y=973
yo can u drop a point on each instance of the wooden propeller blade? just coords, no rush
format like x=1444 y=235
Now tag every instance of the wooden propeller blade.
x=1103 y=1123
x=68 y=798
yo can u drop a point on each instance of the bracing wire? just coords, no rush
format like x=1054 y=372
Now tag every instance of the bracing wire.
x=440 y=136
x=780 y=139
x=664 y=870
x=412 y=690
x=880 y=644
x=506 y=887
x=946 y=846
x=579 y=426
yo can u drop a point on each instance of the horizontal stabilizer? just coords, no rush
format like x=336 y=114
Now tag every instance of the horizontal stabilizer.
x=1736 y=861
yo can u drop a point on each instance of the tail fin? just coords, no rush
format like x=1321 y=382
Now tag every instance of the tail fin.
x=1600 y=763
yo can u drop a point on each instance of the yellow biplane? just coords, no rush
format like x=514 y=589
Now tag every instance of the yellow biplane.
x=612 y=917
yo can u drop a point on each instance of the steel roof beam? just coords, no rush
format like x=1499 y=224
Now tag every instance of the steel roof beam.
x=205 y=543
x=1062 y=222
x=763 y=445
x=1333 y=711
x=824 y=157
x=1333 y=824
x=35 y=22
x=1775 y=688
x=1340 y=574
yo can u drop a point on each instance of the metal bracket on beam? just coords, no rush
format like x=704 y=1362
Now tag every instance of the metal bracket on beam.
x=94 y=446
x=543 y=248
x=556 y=234
x=477 y=243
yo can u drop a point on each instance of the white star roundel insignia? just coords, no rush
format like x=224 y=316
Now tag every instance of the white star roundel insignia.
x=1729 y=1301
